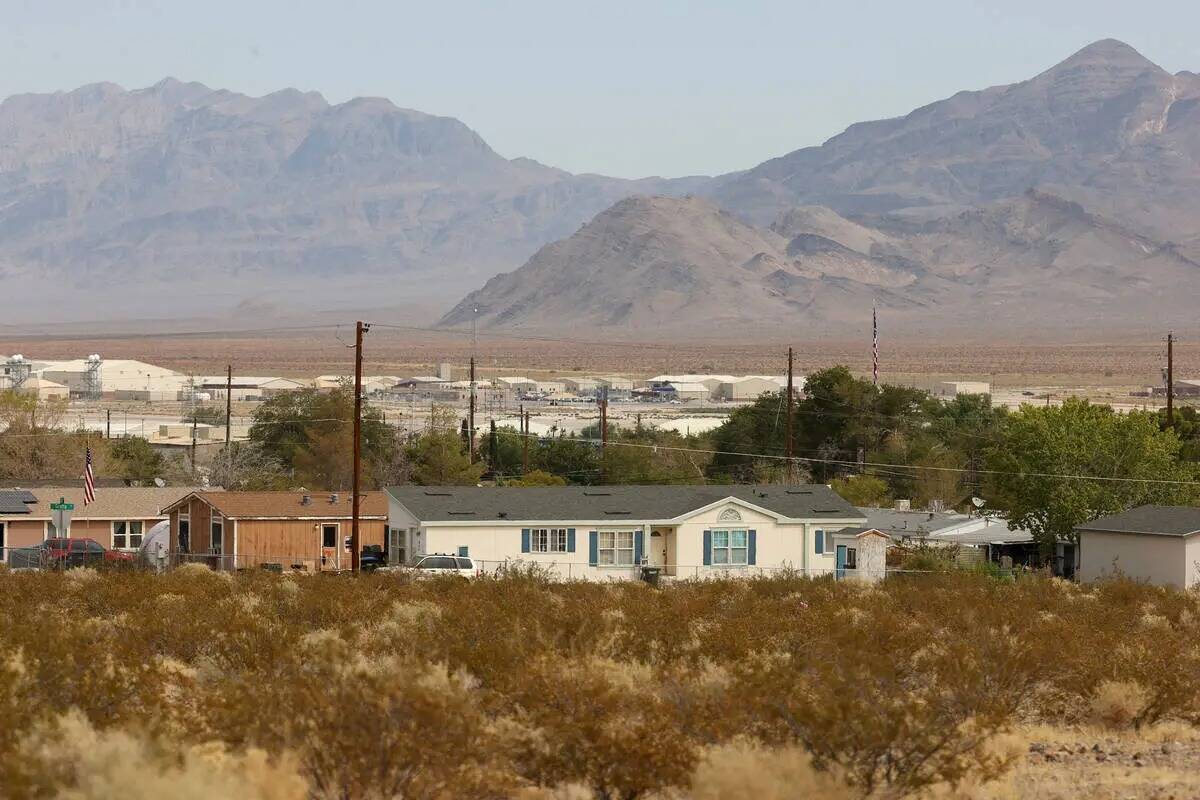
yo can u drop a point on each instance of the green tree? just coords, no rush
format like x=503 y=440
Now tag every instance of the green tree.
x=438 y=457
x=36 y=445
x=862 y=490
x=538 y=478
x=1058 y=467
x=310 y=433
x=133 y=459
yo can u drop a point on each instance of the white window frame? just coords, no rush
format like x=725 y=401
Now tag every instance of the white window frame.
x=548 y=540
x=128 y=533
x=185 y=518
x=726 y=549
x=216 y=540
x=616 y=547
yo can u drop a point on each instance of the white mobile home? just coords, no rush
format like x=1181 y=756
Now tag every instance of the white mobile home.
x=1156 y=544
x=611 y=532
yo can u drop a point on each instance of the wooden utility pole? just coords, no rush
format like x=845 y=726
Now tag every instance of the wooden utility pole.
x=1170 y=379
x=228 y=405
x=471 y=414
x=791 y=460
x=108 y=423
x=524 y=440
x=603 y=432
x=359 y=330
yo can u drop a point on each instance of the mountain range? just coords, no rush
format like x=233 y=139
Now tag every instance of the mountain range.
x=1069 y=199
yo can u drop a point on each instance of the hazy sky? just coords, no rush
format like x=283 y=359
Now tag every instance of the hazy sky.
x=623 y=88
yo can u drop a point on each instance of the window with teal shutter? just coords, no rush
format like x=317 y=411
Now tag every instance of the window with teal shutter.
x=819 y=537
x=570 y=540
x=752 y=548
x=593 y=548
x=707 y=548
x=524 y=540
x=638 y=546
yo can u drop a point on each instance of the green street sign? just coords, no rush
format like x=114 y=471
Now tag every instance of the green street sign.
x=62 y=506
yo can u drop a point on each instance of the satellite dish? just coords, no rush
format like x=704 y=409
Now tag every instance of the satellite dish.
x=159 y=482
x=978 y=502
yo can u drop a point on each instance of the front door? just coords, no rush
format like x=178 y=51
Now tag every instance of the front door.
x=331 y=550
x=841 y=561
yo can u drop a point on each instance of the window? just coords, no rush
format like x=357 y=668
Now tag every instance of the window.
x=548 y=540
x=819 y=538
x=217 y=531
x=730 y=547
x=127 y=534
x=464 y=563
x=851 y=558
x=616 y=548
x=329 y=535
x=438 y=562
x=185 y=533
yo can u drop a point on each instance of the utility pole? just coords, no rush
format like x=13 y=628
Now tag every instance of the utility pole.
x=791 y=456
x=193 y=440
x=471 y=414
x=492 y=451
x=1170 y=379
x=524 y=441
x=228 y=404
x=359 y=330
x=108 y=423
x=603 y=432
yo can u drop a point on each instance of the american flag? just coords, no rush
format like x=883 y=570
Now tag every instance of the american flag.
x=89 y=480
x=874 y=345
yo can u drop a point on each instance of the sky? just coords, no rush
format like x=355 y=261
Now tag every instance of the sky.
x=623 y=88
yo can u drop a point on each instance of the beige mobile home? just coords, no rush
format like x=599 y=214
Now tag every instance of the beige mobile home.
x=612 y=532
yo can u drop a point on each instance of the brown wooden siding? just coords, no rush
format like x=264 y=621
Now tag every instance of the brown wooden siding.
x=291 y=542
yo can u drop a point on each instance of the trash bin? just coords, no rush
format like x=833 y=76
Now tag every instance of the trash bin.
x=651 y=575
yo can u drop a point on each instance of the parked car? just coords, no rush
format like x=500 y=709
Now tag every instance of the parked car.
x=435 y=565
x=62 y=553
x=371 y=558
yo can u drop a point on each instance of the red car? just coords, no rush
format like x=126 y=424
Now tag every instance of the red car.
x=77 y=552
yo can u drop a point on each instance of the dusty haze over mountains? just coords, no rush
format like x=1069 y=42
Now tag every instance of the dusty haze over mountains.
x=1071 y=199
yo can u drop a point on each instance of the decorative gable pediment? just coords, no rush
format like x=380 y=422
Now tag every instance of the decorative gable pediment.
x=729 y=514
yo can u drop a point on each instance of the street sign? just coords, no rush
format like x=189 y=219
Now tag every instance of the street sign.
x=61 y=513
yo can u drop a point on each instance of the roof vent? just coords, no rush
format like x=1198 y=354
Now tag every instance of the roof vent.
x=596 y=494
x=438 y=494
x=503 y=515
x=306 y=500
x=799 y=491
x=333 y=497
x=904 y=505
x=616 y=513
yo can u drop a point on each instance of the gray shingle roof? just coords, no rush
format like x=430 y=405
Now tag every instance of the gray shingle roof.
x=563 y=503
x=910 y=523
x=13 y=501
x=1156 y=520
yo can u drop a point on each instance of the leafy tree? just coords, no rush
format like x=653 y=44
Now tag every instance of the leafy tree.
x=309 y=432
x=538 y=478
x=133 y=459
x=569 y=458
x=1122 y=451
x=35 y=445
x=862 y=490
x=438 y=456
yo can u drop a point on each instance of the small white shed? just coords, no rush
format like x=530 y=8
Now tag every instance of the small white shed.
x=860 y=554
